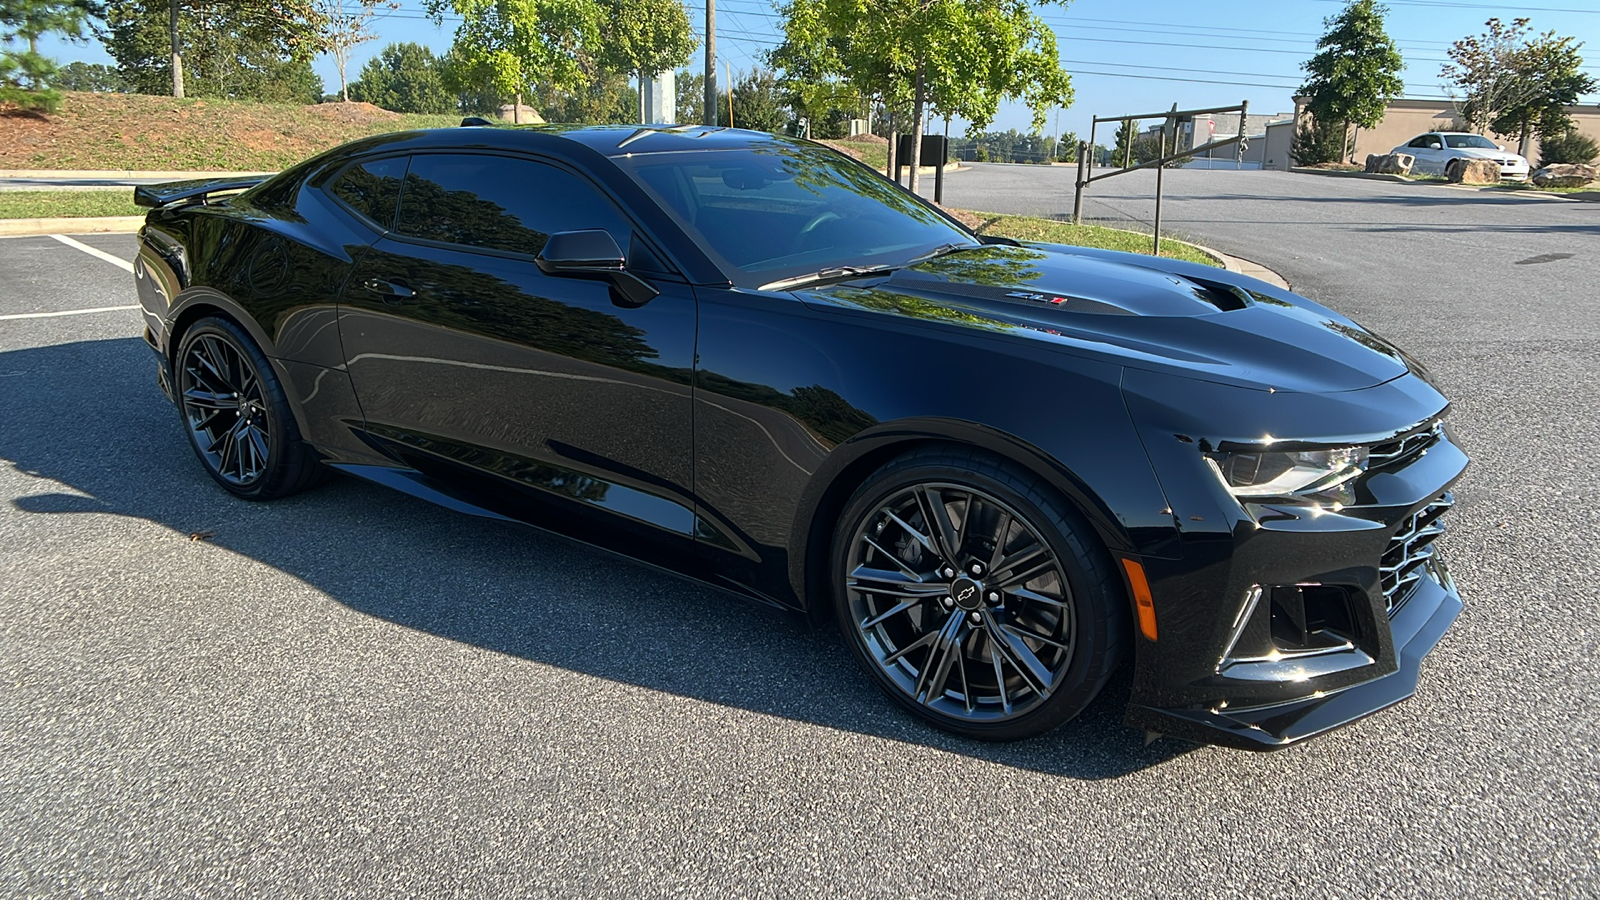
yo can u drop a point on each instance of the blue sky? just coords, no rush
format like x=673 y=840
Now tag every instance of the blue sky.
x=1125 y=56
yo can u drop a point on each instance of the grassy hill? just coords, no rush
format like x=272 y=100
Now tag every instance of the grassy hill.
x=134 y=131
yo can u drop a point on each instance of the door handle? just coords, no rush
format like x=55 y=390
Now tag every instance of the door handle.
x=392 y=291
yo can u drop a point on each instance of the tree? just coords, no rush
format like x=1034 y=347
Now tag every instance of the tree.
x=1356 y=71
x=961 y=57
x=343 y=24
x=691 y=97
x=1317 y=142
x=27 y=77
x=1572 y=146
x=91 y=77
x=759 y=104
x=507 y=45
x=472 y=98
x=1512 y=82
x=404 y=78
x=1006 y=146
x=1555 y=79
x=604 y=98
x=1122 y=154
x=246 y=49
x=1067 y=147
x=809 y=73
x=645 y=38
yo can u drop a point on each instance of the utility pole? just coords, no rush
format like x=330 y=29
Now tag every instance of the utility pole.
x=711 y=63
x=177 y=49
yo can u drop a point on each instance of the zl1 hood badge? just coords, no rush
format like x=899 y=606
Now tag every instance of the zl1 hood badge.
x=1039 y=298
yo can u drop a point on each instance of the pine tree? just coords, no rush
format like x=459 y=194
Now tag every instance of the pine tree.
x=27 y=77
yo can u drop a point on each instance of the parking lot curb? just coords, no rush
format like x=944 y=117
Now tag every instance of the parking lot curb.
x=1244 y=266
x=83 y=225
x=118 y=174
x=1345 y=173
x=1484 y=188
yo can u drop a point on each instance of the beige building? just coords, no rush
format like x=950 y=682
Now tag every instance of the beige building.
x=1405 y=120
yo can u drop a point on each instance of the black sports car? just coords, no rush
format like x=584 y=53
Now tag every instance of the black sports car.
x=1002 y=468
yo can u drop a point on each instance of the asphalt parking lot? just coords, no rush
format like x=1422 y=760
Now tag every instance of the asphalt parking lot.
x=354 y=693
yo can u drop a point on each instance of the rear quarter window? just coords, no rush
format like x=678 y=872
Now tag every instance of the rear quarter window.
x=372 y=188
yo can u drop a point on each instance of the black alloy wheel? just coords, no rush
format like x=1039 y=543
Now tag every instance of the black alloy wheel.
x=975 y=597
x=236 y=415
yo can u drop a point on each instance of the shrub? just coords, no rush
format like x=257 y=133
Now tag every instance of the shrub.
x=1571 y=147
x=1318 y=143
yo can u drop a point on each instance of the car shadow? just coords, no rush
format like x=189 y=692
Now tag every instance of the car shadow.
x=500 y=586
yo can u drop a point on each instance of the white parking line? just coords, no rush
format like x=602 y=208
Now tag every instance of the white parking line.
x=100 y=254
x=66 y=312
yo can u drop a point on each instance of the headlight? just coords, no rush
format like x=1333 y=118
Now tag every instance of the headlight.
x=1268 y=473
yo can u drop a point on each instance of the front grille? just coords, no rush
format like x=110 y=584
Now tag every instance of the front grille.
x=1404 y=447
x=1404 y=562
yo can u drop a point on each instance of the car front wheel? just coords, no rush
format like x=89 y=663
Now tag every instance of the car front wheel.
x=975 y=596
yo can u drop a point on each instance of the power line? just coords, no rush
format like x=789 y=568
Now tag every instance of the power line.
x=1450 y=4
x=739 y=37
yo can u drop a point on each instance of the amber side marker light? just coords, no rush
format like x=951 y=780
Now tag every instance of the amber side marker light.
x=1141 y=598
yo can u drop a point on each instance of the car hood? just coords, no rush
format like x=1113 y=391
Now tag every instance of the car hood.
x=1140 y=311
x=1479 y=153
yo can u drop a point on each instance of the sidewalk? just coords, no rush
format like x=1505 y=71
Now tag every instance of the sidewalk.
x=1245 y=267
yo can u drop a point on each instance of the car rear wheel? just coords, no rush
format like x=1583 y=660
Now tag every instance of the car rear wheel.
x=975 y=597
x=237 y=417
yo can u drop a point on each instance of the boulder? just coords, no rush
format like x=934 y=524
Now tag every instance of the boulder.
x=521 y=114
x=1396 y=164
x=1472 y=171
x=1566 y=175
x=1390 y=163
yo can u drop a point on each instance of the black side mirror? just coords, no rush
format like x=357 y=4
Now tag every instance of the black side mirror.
x=593 y=253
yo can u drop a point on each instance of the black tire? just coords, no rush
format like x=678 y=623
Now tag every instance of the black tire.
x=236 y=414
x=1070 y=616
x=1450 y=168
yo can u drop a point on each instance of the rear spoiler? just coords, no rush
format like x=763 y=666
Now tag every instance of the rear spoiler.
x=154 y=195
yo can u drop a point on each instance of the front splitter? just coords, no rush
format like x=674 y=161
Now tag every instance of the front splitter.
x=1416 y=627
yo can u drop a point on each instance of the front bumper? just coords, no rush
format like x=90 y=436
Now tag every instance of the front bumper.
x=1416 y=628
x=1279 y=622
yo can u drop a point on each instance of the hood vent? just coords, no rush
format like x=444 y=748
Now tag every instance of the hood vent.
x=1225 y=297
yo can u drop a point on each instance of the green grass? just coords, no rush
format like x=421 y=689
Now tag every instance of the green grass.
x=73 y=204
x=1028 y=228
x=1530 y=186
x=874 y=155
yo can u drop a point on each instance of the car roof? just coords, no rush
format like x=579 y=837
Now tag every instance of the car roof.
x=606 y=140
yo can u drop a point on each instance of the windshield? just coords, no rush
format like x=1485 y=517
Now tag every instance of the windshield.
x=1468 y=142
x=776 y=211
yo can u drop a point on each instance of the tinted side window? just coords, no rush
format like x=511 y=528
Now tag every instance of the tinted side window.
x=372 y=188
x=500 y=203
